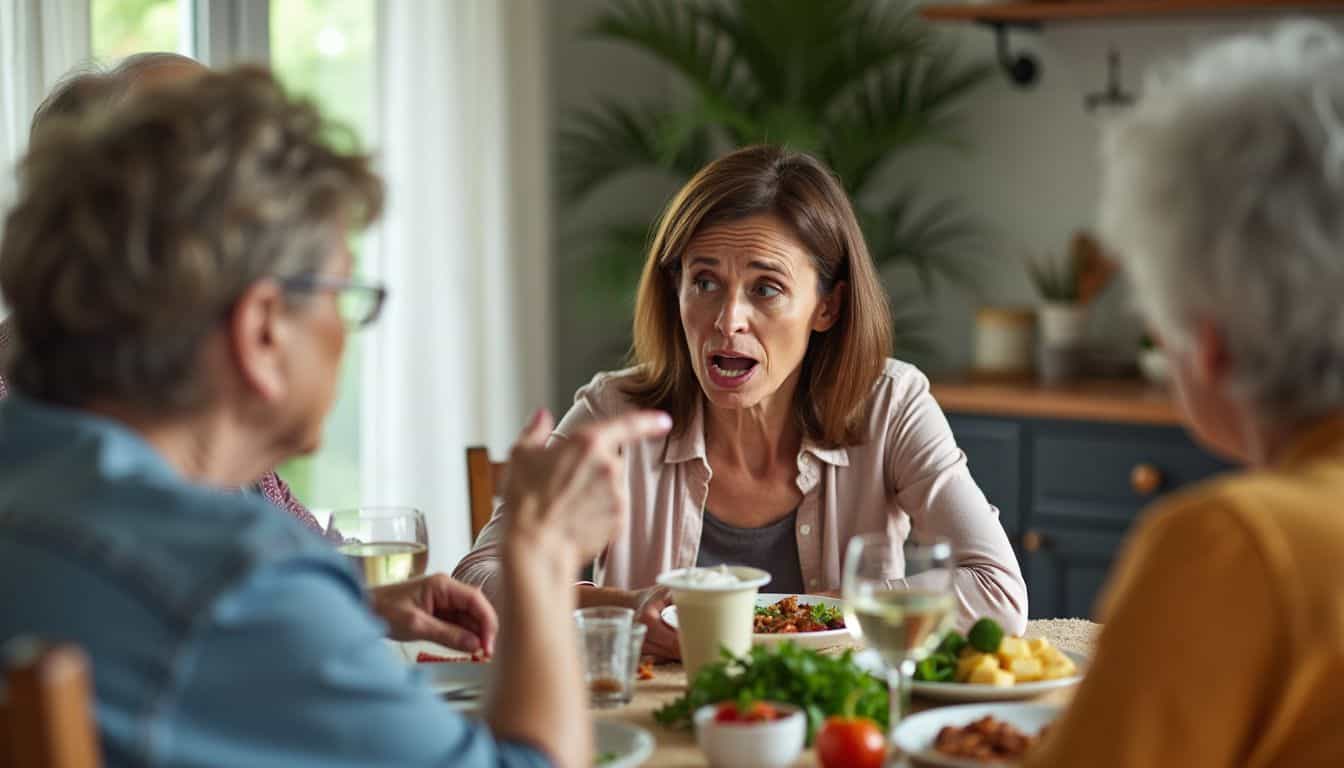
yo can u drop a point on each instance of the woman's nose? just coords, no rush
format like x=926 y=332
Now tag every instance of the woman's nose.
x=732 y=317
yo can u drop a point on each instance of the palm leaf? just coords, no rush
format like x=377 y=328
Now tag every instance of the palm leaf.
x=611 y=139
x=931 y=238
x=900 y=108
x=673 y=32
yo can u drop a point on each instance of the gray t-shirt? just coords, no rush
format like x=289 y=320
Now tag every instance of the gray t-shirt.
x=772 y=548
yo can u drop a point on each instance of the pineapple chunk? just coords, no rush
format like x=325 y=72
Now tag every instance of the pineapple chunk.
x=968 y=666
x=987 y=675
x=1027 y=670
x=1038 y=645
x=1064 y=667
x=1012 y=648
x=1051 y=656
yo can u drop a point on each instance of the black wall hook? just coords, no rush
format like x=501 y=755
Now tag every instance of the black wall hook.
x=1024 y=69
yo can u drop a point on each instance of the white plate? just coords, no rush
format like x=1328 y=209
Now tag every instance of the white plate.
x=915 y=734
x=826 y=639
x=870 y=661
x=630 y=744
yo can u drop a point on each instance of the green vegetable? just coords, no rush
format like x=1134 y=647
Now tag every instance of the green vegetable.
x=952 y=643
x=606 y=758
x=937 y=667
x=786 y=673
x=824 y=614
x=986 y=635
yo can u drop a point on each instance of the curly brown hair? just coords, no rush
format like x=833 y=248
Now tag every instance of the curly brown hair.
x=136 y=231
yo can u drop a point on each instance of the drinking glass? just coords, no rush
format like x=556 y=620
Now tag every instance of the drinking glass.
x=604 y=644
x=384 y=544
x=899 y=602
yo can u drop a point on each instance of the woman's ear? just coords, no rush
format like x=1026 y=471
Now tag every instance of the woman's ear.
x=257 y=336
x=828 y=309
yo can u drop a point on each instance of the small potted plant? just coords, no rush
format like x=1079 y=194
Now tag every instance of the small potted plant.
x=1066 y=287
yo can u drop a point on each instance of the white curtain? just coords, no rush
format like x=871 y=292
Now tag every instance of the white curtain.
x=461 y=354
x=40 y=40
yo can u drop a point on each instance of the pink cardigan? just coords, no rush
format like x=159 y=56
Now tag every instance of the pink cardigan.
x=908 y=474
x=270 y=485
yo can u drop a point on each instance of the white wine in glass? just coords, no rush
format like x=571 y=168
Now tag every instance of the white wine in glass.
x=899 y=601
x=385 y=545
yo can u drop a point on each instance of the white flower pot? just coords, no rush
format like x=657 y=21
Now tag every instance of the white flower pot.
x=1062 y=324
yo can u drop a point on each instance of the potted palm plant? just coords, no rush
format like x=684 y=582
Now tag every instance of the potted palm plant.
x=857 y=83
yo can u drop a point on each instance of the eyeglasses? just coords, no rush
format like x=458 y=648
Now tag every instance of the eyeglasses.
x=359 y=301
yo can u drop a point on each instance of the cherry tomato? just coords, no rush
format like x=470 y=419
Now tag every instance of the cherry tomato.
x=757 y=712
x=850 y=742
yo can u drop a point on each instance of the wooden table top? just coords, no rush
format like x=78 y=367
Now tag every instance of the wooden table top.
x=676 y=747
x=1114 y=400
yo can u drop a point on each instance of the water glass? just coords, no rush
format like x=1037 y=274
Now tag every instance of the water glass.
x=605 y=646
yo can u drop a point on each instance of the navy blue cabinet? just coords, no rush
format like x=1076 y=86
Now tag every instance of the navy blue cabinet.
x=1068 y=492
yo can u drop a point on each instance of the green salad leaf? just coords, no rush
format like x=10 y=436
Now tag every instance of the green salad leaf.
x=824 y=614
x=816 y=683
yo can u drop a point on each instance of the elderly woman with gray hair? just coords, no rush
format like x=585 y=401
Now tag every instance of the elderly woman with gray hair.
x=1223 y=638
x=179 y=316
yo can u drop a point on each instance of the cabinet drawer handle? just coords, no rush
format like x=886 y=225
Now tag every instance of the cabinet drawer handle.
x=1145 y=479
x=1034 y=541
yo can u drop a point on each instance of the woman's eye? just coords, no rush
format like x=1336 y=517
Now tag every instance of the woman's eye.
x=704 y=284
x=767 y=291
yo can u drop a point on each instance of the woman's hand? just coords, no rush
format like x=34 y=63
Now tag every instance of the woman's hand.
x=661 y=641
x=438 y=609
x=572 y=492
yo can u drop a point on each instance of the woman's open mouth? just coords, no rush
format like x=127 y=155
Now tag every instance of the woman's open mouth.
x=730 y=371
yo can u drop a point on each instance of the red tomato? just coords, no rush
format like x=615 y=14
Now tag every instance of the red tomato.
x=757 y=712
x=850 y=742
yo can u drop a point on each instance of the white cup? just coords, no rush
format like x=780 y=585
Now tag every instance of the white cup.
x=713 y=615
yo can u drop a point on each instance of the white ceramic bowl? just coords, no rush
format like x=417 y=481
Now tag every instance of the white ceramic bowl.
x=626 y=745
x=775 y=744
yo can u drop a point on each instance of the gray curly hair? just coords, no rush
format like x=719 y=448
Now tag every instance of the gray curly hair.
x=136 y=231
x=1223 y=195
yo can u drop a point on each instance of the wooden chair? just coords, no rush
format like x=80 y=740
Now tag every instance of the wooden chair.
x=483 y=478
x=46 y=715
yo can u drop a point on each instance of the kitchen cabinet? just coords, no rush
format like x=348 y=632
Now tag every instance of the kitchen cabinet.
x=1071 y=471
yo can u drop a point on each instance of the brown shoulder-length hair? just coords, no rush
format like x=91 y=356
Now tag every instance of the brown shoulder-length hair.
x=841 y=364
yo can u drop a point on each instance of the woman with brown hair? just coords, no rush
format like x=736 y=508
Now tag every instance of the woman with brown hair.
x=761 y=326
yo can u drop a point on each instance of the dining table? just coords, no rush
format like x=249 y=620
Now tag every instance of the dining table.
x=676 y=747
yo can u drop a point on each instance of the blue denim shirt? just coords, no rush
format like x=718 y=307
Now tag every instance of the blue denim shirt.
x=222 y=632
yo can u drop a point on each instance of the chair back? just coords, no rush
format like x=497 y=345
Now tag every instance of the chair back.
x=46 y=715
x=483 y=480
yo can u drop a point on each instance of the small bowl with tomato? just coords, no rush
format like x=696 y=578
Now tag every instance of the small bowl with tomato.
x=761 y=734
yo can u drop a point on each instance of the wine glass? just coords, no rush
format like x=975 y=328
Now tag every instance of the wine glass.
x=899 y=602
x=384 y=544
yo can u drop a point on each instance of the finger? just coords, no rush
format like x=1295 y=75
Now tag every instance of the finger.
x=537 y=429
x=466 y=606
x=446 y=634
x=629 y=428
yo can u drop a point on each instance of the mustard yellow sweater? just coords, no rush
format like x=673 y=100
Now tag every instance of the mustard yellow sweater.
x=1223 y=637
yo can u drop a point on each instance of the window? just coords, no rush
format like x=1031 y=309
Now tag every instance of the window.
x=123 y=27
x=322 y=49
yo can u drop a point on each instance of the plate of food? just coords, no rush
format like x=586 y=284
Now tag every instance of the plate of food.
x=987 y=665
x=459 y=679
x=973 y=735
x=811 y=621
x=620 y=745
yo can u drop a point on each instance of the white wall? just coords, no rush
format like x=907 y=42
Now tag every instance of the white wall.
x=1031 y=177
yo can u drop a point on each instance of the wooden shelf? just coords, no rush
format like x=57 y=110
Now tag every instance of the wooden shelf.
x=1069 y=10
x=1129 y=401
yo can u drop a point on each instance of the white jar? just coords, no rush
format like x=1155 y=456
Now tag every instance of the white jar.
x=1005 y=338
